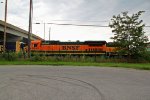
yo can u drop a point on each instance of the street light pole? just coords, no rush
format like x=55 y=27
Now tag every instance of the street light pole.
x=4 y=44
x=44 y=28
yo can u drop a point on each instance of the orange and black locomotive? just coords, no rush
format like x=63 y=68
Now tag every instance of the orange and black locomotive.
x=72 y=48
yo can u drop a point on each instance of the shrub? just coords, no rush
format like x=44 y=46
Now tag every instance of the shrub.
x=36 y=57
x=145 y=56
x=10 y=56
x=1 y=56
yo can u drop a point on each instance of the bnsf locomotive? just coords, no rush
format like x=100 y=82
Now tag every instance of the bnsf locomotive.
x=72 y=48
x=65 y=48
x=62 y=48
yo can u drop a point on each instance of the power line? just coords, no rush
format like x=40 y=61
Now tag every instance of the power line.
x=88 y=25
x=83 y=20
x=79 y=25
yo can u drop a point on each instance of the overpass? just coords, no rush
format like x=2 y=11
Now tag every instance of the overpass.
x=14 y=33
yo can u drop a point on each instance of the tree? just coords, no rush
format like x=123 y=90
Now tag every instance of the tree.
x=129 y=34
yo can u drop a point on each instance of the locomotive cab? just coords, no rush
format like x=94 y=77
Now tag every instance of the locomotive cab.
x=35 y=45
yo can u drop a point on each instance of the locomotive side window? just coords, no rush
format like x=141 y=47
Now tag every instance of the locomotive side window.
x=35 y=45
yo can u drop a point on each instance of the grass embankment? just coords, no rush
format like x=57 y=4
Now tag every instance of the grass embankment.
x=143 y=66
x=99 y=61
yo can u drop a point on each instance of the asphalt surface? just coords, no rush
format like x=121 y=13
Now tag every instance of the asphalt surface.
x=40 y=82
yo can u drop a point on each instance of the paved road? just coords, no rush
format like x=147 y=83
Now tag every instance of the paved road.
x=73 y=83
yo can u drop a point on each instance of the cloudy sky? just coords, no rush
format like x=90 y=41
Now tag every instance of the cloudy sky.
x=91 y=12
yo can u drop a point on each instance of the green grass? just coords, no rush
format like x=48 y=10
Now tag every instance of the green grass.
x=143 y=66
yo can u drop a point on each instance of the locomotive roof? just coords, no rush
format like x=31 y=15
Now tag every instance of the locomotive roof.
x=74 y=43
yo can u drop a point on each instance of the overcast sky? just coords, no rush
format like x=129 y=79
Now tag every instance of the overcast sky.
x=95 y=12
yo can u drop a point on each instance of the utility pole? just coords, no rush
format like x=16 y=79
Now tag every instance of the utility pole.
x=49 y=33
x=44 y=31
x=4 y=44
x=30 y=28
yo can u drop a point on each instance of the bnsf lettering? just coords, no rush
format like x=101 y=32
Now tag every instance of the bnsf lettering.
x=70 y=47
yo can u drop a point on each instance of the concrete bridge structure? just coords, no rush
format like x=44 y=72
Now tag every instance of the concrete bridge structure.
x=14 y=33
